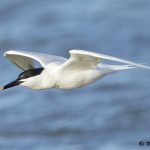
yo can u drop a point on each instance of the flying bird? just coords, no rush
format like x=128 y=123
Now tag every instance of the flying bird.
x=82 y=68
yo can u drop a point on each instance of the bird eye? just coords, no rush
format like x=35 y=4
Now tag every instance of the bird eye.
x=22 y=76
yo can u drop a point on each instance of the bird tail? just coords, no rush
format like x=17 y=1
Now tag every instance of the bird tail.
x=106 y=69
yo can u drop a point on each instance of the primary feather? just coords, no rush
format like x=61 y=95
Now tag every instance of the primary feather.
x=25 y=60
x=83 y=60
x=97 y=57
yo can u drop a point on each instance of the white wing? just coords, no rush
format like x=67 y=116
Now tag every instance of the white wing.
x=25 y=60
x=81 y=59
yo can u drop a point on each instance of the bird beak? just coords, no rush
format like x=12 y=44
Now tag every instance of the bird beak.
x=12 y=84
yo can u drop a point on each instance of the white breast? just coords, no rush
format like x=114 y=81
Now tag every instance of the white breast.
x=72 y=80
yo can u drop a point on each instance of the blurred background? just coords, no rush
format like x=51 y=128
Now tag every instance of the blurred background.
x=110 y=114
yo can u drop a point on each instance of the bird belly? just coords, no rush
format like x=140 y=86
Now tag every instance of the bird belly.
x=71 y=80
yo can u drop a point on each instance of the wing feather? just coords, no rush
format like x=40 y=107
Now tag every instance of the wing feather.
x=81 y=59
x=25 y=60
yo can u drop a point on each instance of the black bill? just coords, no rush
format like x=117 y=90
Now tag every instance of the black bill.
x=12 y=84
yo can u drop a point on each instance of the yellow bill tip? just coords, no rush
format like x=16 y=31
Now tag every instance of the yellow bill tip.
x=1 y=88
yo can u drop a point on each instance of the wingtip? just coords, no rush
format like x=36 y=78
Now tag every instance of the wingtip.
x=8 y=52
x=1 y=88
x=5 y=54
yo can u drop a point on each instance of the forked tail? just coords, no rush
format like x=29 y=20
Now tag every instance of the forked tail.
x=106 y=69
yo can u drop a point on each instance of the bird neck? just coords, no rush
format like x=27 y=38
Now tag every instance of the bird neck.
x=47 y=80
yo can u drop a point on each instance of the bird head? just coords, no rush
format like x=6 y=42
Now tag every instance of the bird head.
x=23 y=77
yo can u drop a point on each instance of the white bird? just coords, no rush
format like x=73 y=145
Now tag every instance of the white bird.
x=81 y=69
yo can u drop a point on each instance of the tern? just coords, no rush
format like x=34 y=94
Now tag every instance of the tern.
x=82 y=68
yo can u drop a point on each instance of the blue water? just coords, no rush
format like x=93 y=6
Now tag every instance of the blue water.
x=112 y=114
